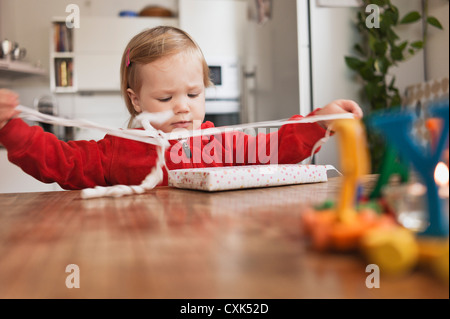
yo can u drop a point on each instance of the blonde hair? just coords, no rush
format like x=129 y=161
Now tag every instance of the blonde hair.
x=149 y=46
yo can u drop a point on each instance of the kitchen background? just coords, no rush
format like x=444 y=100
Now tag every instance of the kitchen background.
x=289 y=59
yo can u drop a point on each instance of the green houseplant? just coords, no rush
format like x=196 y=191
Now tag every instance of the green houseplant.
x=381 y=49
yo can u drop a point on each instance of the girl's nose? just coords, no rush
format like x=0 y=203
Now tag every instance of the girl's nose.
x=181 y=106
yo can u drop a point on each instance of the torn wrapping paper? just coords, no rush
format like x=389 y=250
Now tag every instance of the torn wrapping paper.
x=214 y=179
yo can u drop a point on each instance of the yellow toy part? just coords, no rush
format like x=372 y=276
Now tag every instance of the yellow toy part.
x=434 y=255
x=393 y=249
x=354 y=164
x=341 y=228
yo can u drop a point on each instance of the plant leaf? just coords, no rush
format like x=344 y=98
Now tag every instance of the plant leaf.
x=397 y=54
x=381 y=48
x=392 y=84
x=411 y=17
x=435 y=23
x=417 y=45
x=396 y=101
x=403 y=46
x=379 y=2
x=354 y=63
x=390 y=17
x=358 y=48
x=392 y=36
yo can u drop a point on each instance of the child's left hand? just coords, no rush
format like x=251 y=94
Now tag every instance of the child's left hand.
x=340 y=106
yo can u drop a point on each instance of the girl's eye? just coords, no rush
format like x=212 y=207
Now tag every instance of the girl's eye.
x=167 y=99
x=193 y=95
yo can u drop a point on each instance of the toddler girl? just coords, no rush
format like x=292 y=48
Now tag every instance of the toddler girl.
x=162 y=69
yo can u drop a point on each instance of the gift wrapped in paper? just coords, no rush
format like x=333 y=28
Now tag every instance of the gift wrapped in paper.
x=214 y=179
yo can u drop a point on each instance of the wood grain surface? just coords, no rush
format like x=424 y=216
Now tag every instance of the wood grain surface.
x=171 y=243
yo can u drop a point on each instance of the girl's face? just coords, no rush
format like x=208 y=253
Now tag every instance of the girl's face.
x=172 y=83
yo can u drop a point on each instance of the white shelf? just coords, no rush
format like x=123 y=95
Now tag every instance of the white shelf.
x=61 y=58
x=15 y=69
x=62 y=55
x=97 y=51
x=65 y=89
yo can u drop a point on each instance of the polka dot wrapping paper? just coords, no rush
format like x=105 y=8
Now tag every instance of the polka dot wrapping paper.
x=215 y=179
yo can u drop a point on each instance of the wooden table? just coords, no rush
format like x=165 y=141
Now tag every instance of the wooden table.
x=171 y=243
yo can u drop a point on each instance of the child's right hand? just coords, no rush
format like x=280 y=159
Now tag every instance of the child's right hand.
x=8 y=103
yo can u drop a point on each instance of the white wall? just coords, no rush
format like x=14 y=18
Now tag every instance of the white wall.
x=224 y=20
x=333 y=38
x=1 y=23
x=437 y=50
x=413 y=70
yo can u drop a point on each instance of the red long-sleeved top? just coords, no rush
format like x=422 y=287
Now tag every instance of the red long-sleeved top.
x=114 y=160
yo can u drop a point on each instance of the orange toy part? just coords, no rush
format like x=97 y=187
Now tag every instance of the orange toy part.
x=328 y=233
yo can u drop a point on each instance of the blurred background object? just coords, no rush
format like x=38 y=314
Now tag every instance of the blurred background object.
x=264 y=10
x=155 y=11
x=12 y=50
x=46 y=104
x=128 y=13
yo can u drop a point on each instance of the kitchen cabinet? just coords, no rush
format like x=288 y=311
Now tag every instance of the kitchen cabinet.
x=219 y=26
x=91 y=59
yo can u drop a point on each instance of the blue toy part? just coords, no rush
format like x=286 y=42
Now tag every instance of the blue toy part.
x=396 y=127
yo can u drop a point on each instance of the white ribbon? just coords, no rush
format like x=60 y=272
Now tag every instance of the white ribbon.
x=151 y=181
x=150 y=135
x=156 y=137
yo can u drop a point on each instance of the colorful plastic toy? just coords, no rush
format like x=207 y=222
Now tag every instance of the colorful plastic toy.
x=342 y=227
x=368 y=225
x=396 y=127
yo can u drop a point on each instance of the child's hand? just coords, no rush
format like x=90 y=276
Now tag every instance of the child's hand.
x=340 y=106
x=8 y=102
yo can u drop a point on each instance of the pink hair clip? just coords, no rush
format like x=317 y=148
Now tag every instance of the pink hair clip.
x=128 y=58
